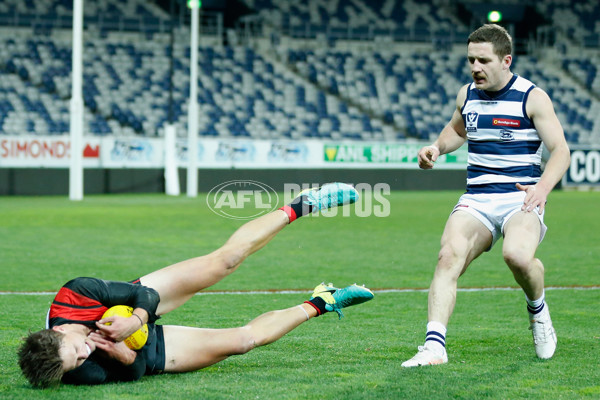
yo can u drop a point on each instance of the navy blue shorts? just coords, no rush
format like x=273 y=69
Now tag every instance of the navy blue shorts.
x=154 y=350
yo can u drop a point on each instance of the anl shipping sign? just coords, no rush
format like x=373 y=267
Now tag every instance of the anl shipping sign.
x=402 y=155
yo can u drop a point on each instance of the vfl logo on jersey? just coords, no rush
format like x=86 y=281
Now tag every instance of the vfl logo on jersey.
x=513 y=123
x=471 y=120
x=507 y=135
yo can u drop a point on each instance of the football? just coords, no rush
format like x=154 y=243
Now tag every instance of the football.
x=138 y=339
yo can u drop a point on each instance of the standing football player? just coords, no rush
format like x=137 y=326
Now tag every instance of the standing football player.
x=505 y=119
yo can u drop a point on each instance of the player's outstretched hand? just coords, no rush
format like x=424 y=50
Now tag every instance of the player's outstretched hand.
x=427 y=156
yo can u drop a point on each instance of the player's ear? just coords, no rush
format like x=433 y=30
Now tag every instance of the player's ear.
x=506 y=61
x=58 y=329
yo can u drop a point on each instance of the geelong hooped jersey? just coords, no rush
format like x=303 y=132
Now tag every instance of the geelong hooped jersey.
x=504 y=146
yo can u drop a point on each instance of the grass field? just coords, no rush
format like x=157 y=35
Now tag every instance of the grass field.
x=48 y=240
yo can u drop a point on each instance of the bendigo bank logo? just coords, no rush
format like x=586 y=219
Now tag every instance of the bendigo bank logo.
x=513 y=123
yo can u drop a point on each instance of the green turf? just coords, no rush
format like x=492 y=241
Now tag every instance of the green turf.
x=46 y=241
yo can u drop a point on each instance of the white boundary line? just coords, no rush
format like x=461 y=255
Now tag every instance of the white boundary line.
x=295 y=291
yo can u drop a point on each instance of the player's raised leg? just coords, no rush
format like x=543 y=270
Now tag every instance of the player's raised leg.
x=190 y=349
x=178 y=282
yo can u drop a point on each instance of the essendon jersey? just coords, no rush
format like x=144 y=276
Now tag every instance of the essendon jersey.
x=84 y=301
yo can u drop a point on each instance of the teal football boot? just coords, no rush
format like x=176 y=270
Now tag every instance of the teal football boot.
x=330 y=195
x=336 y=299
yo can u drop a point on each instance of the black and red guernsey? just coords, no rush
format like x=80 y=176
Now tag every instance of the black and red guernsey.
x=84 y=301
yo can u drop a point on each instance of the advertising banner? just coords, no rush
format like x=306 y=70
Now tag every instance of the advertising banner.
x=585 y=167
x=133 y=152
x=45 y=152
x=387 y=155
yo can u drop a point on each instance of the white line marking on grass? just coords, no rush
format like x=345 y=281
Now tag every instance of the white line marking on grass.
x=296 y=291
x=487 y=289
x=27 y=293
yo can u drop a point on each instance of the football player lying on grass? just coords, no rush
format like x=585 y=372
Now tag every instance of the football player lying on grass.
x=79 y=346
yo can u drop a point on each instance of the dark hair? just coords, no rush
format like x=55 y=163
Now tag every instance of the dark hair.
x=39 y=359
x=494 y=34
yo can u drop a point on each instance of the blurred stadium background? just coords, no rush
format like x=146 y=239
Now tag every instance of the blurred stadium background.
x=281 y=84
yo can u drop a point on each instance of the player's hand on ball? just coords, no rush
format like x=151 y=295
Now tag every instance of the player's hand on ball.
x=118 y=328
x=120 y=324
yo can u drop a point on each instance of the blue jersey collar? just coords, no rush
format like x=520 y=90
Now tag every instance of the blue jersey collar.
x=496 y=94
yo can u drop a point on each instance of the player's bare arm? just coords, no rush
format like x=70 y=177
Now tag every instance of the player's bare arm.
x=451 y=138
x=540 y=110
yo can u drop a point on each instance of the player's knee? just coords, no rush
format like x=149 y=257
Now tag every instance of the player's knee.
x=229 y=258
x=448 y=258
x=517 y=260
x=451 y=263
x=244 y=341
x=445 y=255
x=223 y=262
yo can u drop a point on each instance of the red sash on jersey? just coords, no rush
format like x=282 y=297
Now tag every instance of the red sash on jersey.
x=77 y=307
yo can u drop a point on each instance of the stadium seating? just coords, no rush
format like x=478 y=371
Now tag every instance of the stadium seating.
x=318 y=91
x=126 y=91
x=585 y=70
x=45 y=15
x=575 y=107
x=361 y=19
x=314 y=94
x=415 y=92
x=411 y=92
x=576 y=19
x=27 y=105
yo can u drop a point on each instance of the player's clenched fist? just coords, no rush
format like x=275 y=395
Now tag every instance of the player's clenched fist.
x=428 y=155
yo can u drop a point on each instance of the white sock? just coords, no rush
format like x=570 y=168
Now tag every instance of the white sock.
x=436 y=337
x=535 y=306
